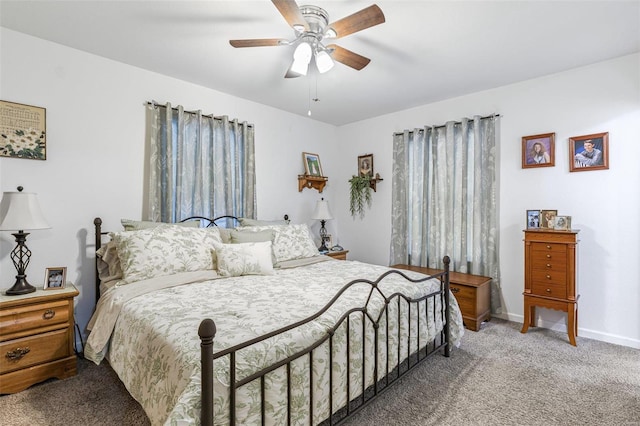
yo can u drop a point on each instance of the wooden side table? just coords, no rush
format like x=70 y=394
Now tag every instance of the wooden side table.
x=473 y=293
x=36 y=338
x=338 y=255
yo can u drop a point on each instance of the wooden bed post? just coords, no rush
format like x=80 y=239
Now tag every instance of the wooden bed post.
x=447 y=326
x=207 y=332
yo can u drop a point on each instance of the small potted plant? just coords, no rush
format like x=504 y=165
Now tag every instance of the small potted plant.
x=360 y=195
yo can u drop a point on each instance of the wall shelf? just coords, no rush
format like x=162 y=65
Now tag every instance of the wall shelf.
x=317 y=182
x=374 y=181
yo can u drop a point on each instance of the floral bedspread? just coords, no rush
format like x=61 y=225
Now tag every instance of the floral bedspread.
x=155 y=349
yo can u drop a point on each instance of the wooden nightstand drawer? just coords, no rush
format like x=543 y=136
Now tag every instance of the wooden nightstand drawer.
x=338 y=255
x=22 y=319
x=21 y=353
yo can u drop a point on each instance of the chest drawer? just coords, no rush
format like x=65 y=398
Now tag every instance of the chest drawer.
x=22 y=319
x=466 y=296
x=549 y=264
x=550 y=289
x=27 y=351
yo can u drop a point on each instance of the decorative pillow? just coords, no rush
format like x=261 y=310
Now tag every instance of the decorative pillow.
x=245 y=221
x=244 y=259
x=165 y=250
x=225 y=234
x=291 y=241
x=108 y=262
x=135 y=225
x=240 y=236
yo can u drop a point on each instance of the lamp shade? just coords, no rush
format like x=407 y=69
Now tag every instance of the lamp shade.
x=20 y=211
x=322 y=211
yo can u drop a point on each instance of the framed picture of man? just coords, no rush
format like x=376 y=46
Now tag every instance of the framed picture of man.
x=54 y=278
x=548 y=218
x=533 y=219
x=312 y=165
x=538 y=150
x=589 y=152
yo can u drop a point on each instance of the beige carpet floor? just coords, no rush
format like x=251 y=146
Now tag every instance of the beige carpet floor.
x=497 y=377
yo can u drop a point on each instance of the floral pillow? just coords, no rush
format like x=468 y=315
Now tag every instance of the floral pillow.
x=164 y=250
x=291 y=241
x=244 y=259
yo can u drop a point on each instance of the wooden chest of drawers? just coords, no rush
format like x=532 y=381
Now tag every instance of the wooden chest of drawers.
x=36 y=338
x=550 y=276
x=473 y=293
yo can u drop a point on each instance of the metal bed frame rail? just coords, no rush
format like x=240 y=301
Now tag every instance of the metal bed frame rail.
x=442 y=341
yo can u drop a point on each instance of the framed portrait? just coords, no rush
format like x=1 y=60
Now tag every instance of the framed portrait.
x=365 y=165
x=539 y=150
x=328 y=241
x=562 y=223
x=312 y=165
x=23 y=131
x=533 y=219
x=55 y=278
x=589 y=152
x=547 y=218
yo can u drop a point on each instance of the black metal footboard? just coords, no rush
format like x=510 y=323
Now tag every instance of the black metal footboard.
x=436 y=308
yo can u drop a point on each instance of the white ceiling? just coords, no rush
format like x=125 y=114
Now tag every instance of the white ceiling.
x=426 y=51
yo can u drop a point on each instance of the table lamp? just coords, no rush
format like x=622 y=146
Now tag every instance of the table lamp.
x=20 y=211
x=322 y=213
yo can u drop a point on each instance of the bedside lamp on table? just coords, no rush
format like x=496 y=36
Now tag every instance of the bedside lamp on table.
x=20 y=211
x=322 y=213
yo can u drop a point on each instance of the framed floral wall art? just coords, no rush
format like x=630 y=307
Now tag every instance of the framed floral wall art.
x=23 y=131
x=538 y=150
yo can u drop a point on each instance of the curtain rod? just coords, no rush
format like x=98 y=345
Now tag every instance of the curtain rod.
x=153 y=103
x=444 y=125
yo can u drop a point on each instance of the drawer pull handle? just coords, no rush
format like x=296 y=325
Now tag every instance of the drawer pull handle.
x=548 y=277
x=454 y=290
x=548 y=265
x=549 y=247
x=548 y=256
x=17 y=353
x=548 y=290
x=48 y=314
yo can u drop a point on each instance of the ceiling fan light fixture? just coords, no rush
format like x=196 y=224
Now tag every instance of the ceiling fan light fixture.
x=323 y=61
x=301 y=58
x=330 y=33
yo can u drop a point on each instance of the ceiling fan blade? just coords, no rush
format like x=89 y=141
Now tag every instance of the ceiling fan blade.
x=366 y=18
x=347 y=57
x=291 y=13
x=256 y=42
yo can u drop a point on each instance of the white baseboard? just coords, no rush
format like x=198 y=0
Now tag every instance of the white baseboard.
x=582 y=332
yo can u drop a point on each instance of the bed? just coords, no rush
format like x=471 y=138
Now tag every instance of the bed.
x=203 y=329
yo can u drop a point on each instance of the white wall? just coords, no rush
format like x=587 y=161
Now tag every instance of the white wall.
x=95 y=151
x=604 y=205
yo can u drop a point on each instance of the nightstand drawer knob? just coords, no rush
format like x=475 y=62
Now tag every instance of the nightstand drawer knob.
x=548 y=277
x=17 y=353
x=48 y=314
x=454 y=290
x=548 y=290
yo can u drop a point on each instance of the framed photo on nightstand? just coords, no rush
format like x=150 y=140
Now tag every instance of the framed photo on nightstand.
x=55 y=278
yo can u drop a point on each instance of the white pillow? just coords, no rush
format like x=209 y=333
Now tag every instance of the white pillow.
x=244 y=259
x=165 y=250
x=291 y=241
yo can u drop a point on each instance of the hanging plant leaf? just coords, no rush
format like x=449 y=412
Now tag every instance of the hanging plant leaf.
x=360 y=195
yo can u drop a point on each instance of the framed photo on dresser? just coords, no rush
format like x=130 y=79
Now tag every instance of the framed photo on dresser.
x=547 y=218
x=54 y=278
x=533 y=219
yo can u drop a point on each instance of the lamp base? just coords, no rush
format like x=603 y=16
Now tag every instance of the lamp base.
x=20 y=287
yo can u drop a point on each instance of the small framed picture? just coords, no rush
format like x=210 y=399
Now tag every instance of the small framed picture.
x=590 y=152
x=533 y=219
x=55 y=278
x=562 y=223
x=312 y=165
x=328 y=241
x=365 y=165
x=547 y=218
x=538 y=150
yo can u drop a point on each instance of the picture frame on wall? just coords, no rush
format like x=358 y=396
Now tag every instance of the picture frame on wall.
x=562 y=223
x=589 y=152
x=55 y=278
x=365 y=165
x=547 y=218
x=538 y=150
x=312 y=165
x=23 y=131
x=533 y=219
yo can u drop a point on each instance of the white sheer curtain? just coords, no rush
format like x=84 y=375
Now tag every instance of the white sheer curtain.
x=198 y=165
x=444 y=198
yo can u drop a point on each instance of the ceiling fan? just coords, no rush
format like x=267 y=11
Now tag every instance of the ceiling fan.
x=312 y=29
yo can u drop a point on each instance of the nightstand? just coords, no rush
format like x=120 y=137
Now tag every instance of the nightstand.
x=338 y=255
x=36 y=338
